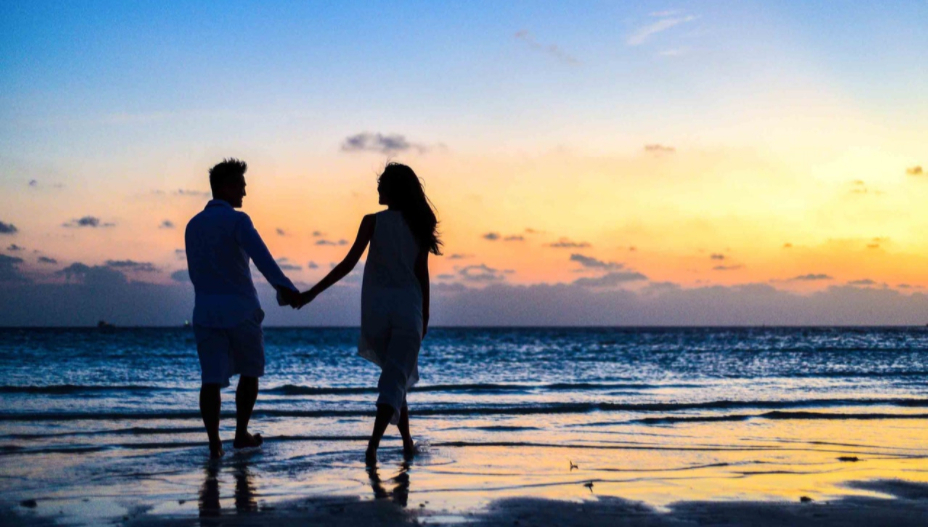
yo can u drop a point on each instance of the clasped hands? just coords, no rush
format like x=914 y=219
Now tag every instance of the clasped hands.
x=294 y=298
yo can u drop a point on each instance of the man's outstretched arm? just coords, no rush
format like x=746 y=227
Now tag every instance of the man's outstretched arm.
x=254 y=246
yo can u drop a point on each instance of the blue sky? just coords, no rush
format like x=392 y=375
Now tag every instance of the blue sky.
x=681 y=129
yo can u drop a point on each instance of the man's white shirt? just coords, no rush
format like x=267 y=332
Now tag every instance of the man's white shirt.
x=220 y=241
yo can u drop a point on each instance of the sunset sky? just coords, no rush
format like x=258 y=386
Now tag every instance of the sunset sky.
x=648 y=158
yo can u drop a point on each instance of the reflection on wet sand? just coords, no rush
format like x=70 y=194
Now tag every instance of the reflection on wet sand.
x=245 y=500
x=245 y=496
x=209 y=492
x=400 y=492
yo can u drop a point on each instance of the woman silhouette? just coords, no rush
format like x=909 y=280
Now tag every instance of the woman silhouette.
x=394 y=294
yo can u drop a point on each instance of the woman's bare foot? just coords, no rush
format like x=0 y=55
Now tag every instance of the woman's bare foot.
x=216 y=452
x=247 y=440
x=370 y=457
x=409 y=449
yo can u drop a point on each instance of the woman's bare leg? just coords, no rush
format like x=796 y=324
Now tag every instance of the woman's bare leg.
x=384 y=413
x=409 y=447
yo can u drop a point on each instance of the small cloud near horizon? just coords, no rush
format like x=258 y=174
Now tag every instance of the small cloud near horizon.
x=47 y=260
x=8 y=228
x=132 y=265
x=312 y=265
x=492 y=236
x=611 y=279
x=281 y=232
x=812 y=277
x=332 y=243
x=862 y=282
x=716 y=256
x=166 y=224
x=9 y=269
x=458 y=256
x=14 y=248
x=727 y=267
x=917 y=170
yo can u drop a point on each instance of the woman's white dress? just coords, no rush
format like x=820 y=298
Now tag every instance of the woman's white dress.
x=391 y=309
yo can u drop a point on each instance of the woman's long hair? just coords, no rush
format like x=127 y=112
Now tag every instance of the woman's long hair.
x=403 y=192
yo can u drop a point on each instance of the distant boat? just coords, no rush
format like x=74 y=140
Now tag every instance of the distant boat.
x=105 y=326
x=186 y=323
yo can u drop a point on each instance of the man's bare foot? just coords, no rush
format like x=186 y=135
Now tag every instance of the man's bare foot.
x=216 y=452
x=370 y=457
x=247 y=440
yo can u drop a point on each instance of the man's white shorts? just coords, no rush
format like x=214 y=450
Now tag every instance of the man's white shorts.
x=225 y=352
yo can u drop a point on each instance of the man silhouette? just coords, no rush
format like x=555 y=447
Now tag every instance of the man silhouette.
x=227 y=315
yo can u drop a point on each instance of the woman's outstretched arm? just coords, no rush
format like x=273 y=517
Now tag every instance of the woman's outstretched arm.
x=365 y=231
x=422 y=273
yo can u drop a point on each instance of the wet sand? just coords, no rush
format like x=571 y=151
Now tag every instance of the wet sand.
x=634 y=482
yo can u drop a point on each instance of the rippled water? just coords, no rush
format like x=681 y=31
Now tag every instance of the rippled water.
x=79 y=406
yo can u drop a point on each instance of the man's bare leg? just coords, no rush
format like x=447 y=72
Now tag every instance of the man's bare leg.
x=245 y=396
x=210 y=405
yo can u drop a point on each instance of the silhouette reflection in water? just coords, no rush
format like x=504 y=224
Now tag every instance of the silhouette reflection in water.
x=245 y=496
x=400 y=492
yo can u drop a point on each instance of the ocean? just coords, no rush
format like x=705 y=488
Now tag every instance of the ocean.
x=110 y=416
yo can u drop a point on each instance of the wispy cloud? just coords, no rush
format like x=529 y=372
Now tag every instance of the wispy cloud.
x=727 y=267
x=191 y=193
x=566 y=243
x=381 y=143
x=481 y=273
x=659 y=150
x=458 y=256
x=665 y=20
x=812 y=277
x=592 y=263
x=716 y=256
x=132 y=265
x=550 y=50
x=166 y=224
x=281 y=232
x=87 y=221
x=332 y=243
x=492 y=236
x=286 y=265
x=15 y=248
x=915 y=171
x=47 y=260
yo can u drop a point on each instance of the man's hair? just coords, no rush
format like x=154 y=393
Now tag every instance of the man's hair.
x=230 y=170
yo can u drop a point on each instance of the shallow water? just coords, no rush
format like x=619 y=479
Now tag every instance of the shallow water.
x=652 y=414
